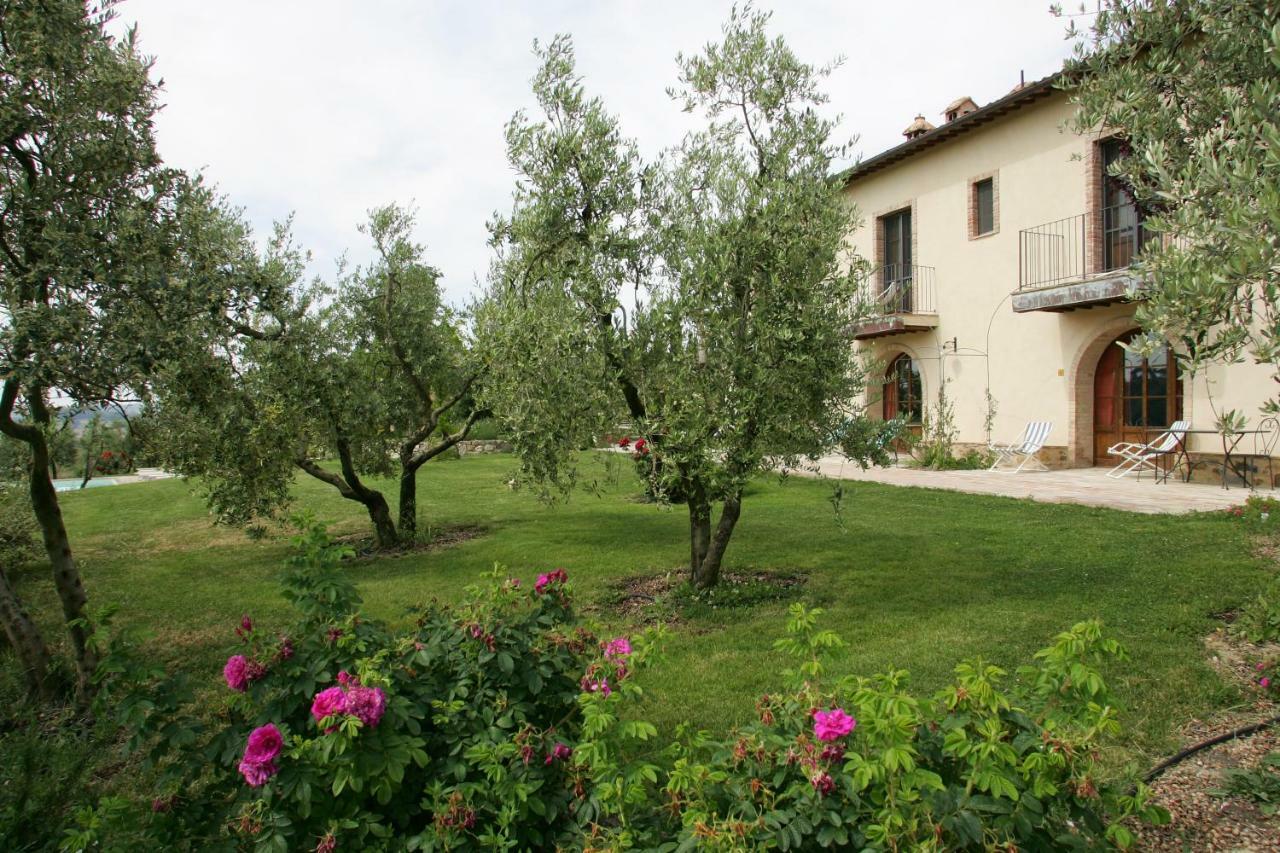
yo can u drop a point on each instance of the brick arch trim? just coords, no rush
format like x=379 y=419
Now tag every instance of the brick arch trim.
x=1080 y=404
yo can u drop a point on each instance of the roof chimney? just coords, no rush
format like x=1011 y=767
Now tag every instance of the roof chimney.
x=919 y=127
x=959 y=107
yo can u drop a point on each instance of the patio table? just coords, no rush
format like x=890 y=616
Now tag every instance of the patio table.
x=1230 y=441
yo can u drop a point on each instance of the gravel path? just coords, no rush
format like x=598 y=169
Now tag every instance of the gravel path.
x=1201 y=821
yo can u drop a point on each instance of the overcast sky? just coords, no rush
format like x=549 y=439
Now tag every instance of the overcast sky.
x=326 y=108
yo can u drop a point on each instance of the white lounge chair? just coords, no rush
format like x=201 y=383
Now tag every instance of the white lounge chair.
x=1024 y=450
x=1135 y=457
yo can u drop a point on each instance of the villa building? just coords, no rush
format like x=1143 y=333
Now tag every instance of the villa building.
x=1001 y=253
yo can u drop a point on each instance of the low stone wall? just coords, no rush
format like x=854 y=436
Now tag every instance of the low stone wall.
x=485 y=446
x=1208 y=469
x=1053 y=456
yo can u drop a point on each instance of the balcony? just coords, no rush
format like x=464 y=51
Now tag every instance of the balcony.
x=897 y=299
x=1062 y=266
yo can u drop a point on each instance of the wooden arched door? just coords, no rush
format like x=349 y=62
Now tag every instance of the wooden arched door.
x=1134 y=398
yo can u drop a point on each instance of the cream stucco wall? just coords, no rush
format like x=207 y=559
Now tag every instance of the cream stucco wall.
x=1039 y=365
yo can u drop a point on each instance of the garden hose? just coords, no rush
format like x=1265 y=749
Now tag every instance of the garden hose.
x=1244 y=731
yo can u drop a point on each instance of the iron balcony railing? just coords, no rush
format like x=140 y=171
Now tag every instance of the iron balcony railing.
x=900 y=289
x=1058 y=252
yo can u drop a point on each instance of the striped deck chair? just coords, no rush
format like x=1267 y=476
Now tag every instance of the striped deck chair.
x=1012 y=458
x=1135 y=457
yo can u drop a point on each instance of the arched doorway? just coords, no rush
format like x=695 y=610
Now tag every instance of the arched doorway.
x=1134 y=398
x=903 y=392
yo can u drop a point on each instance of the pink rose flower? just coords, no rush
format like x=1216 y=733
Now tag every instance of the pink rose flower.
x=597 y=685
x=547 y=578
x=1265 y=682
x=617 y=648
x=560 y=753
x=258 y=764
x=329 y=703
x=236 y=672
x=367 y=704
x=832 y=725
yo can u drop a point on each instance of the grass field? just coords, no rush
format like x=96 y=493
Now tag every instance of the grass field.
x=914 y=578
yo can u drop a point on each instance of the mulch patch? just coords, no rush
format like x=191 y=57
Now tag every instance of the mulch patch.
x=1201 y=820
x=642 y=598
x=444 y=537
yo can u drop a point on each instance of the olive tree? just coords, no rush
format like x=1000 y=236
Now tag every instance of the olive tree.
x=109 y=265
x=707 y=298
x=370 y=371
x=1194 y=88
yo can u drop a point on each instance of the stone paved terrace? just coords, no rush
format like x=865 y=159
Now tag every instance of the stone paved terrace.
x=1088 y=486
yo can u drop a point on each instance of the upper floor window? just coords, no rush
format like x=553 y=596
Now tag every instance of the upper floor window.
x=1123 y=233
x=982 y=220
x=895 y=254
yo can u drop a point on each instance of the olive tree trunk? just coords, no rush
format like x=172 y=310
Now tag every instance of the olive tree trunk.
x=66 y=575
x=24 y=637
x=413 y=456
x=44 y=503
x=707 y=545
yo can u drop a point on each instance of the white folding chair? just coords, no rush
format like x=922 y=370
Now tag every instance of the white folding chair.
x=1135 y=457
x=1024 y=450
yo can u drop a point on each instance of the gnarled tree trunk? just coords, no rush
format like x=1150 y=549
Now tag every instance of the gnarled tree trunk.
x=24 y=637
x=409 y=503
x=707 y=546
x=44 y=503
x=66 y=575
x=352 y=488
x=411 y=459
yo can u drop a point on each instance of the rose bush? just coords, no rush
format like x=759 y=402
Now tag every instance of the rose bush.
x=500 y=724
x=342 y=734
x=988 y=763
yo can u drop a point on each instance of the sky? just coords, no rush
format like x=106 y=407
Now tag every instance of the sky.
x=324 y=109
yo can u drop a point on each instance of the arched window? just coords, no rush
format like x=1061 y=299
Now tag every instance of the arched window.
x=902 y=390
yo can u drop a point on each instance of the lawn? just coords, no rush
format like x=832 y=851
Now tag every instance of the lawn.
x=913 y=578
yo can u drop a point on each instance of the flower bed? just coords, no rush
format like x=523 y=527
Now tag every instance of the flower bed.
x=501 y=723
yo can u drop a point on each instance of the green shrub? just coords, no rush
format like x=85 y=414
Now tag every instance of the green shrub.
x=19 y=535
x=1259 y=619
x=1260 y=784
x=939 y=457
x=863 y=765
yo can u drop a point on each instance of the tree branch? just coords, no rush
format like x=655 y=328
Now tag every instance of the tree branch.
x=311 y=467
x=419 y=459
x=23 y=432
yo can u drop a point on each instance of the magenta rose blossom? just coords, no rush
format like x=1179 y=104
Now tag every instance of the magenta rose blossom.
x=548 y=578
x=560 y=753
x=366 y=704
x=258 y=764
x=619 y=647
x=832 y=725
x=329 y=703
x=236 y=672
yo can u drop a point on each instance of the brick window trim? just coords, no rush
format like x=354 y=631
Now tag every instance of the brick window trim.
x=973 y=205
x=1094 y=177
